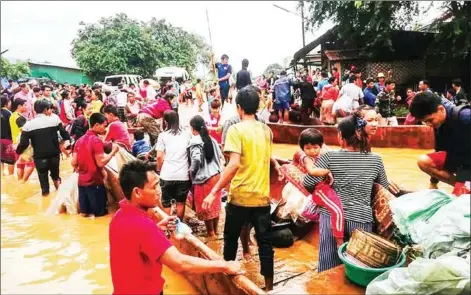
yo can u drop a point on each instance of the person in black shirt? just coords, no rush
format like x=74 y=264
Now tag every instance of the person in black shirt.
x=42 y=133
x=308 y=94
x=243 y=76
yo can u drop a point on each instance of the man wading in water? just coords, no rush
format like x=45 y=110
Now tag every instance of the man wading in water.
x=249 y=146
x=451 y=161
x=139 y=248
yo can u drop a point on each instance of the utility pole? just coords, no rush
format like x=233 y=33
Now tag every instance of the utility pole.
x=4 y=51
x=304 y=39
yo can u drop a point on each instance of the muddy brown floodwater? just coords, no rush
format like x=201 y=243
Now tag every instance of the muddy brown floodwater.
x=69 y=254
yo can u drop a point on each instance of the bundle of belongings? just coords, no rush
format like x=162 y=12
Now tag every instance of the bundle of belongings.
x=438 y=223
x=66 y=199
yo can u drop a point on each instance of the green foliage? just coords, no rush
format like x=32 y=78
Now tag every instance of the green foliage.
x=453 y=40
x=275 y=67
x=120 y=45
x=402 y=111
x=369 y=24
x=177 y=47
x=365 y=23
x=14 y=71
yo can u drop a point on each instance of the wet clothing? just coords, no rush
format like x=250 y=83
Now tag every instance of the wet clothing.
x=282 y=93
x=174 y=189
x=259 y=218
x=44 y=166
x=140 y=147
x=92 y=200
x=86 y=148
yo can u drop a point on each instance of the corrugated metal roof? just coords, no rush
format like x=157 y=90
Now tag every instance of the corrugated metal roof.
x=347 y=54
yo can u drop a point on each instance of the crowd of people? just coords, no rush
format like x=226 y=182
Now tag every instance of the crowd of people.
x=41 y=123
x=323 y=97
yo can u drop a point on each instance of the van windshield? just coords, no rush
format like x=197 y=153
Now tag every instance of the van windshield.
x=114 y=80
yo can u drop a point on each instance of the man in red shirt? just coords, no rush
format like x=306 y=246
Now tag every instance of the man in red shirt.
x=88 y=160
x=117 y=131
x=139 y=248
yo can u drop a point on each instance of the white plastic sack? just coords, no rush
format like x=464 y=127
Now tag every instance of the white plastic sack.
x=293 y=204
x=66 y=198
x=448 y=230
x=445 y=275
x=412 y=211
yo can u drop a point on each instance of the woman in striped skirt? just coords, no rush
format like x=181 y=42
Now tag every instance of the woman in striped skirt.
x=355 y=169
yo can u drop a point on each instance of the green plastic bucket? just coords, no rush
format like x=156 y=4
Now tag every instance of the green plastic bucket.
x=363 y=276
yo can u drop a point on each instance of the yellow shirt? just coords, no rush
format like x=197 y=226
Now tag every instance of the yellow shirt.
x=199 y=91
x=250 y=186
x=96 y=106
x=15 y=130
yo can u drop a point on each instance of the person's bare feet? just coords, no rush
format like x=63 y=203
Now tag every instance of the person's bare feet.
x=433 y=186
x=57 y=183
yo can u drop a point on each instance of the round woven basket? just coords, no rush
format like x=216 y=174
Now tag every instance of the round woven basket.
x=373 y=250
x=363 y=276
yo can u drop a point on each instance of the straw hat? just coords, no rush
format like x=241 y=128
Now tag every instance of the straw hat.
x=381 y=75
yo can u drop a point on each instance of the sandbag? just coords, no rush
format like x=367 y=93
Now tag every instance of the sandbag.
x=446 y=275
x=66 y=200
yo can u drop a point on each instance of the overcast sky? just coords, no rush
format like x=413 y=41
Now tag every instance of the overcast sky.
x=256 y=30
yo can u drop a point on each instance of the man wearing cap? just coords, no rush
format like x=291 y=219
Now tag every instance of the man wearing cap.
x=380 y=85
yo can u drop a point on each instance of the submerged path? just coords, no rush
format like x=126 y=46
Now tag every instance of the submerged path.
x=70 y=254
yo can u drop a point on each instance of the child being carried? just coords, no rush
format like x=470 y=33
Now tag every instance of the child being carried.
x=311 y=142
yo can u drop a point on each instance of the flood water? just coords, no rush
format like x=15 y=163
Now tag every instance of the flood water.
x=69 y=254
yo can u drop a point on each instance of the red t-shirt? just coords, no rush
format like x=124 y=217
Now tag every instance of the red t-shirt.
x=136 y=245
x=156 y=109
x=337 y=76
x=117 y=133
x=214 y=122
x=86 y=148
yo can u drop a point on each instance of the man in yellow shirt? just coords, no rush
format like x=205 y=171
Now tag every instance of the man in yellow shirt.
x=249 y=144
x=18 y=106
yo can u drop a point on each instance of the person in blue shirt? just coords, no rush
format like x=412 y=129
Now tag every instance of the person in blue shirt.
x=323 y=82
x=450 y=163
x=224 y=72
x=282 y=95
x=370 y=92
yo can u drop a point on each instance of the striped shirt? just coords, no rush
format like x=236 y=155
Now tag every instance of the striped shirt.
x=354 y=174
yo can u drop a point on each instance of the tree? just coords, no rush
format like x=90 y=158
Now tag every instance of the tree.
x=453 y=41
x=275 y=67
x=115 y=45
x=365 y=23
x=177 y=47
x=14 y=71
x=118 y=45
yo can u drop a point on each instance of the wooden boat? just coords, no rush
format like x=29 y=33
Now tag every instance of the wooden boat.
x=402 y=136
x=295 y=267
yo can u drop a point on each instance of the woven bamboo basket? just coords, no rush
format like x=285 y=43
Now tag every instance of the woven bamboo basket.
x=373 y=250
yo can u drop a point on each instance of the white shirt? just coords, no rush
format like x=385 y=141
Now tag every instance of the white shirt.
x=122 y=99
x=175 y=166
x=151 y=93
x=351 y=90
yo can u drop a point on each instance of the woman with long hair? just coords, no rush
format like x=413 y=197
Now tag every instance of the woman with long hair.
x=172 y=160
x=355 y=170
x=205 y=169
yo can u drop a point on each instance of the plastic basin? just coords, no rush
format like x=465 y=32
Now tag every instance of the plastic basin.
x=363 y=276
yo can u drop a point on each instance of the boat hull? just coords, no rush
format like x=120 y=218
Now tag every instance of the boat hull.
x=305 y=281
x=410 y=136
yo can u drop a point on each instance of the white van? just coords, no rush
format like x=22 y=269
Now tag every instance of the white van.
x=165 y=74
x=124 y=79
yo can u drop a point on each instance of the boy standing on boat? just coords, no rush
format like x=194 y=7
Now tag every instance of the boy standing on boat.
x=451 y=161
x=139 y=248
x=249 y=145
